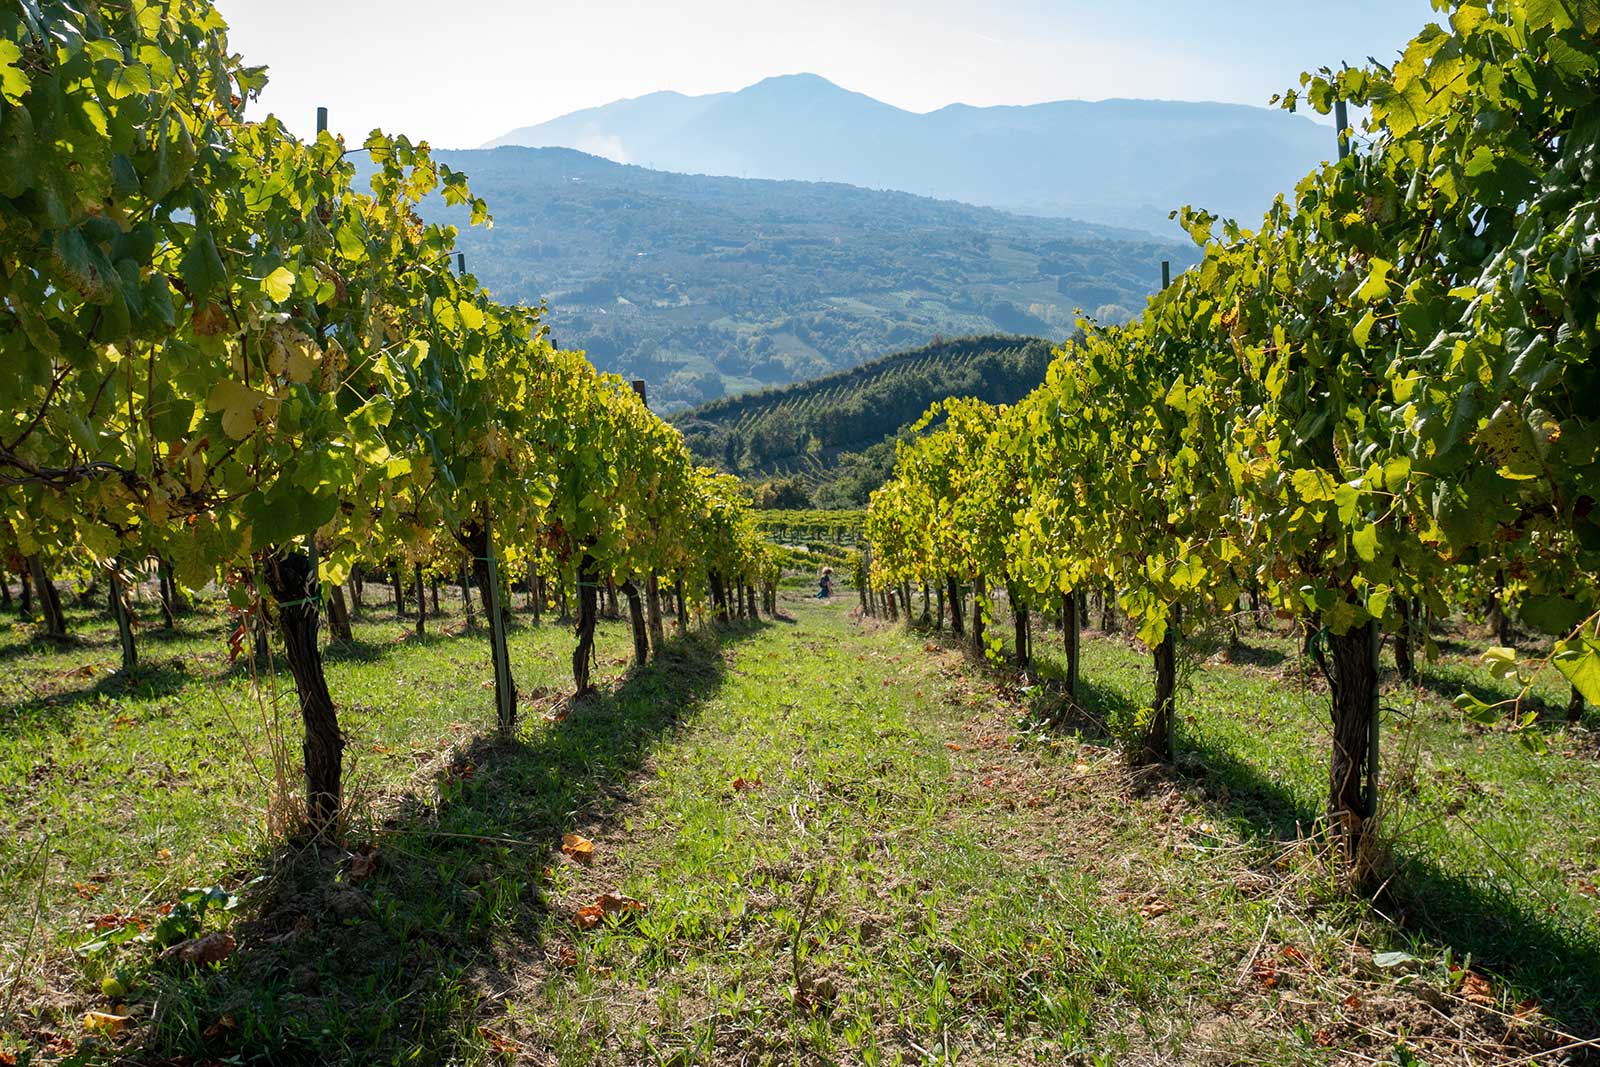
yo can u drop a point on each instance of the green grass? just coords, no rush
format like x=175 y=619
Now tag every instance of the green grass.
x=851 y=844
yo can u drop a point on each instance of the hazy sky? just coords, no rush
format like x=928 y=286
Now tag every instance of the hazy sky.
x=461 y=73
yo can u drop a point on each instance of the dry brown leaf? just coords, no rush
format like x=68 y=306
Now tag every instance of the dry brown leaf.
x=104 y=1022
x=578 y=847
x=363 y=862
x=1476 y=989
x=502 y=1045
x=618 y=902
x=1154 y=908
x=202 y=950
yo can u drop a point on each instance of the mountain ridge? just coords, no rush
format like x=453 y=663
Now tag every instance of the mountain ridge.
x=1122 y=161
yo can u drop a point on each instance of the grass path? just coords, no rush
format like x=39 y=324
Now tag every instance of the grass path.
x=815 y=841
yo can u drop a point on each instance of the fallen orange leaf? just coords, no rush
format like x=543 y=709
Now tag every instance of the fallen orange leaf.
x=578 y=847
x=618 y=902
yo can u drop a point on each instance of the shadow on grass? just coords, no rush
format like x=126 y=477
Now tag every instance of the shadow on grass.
x=1091 y=715
x=1502 y=924
x=1245 y=654
x=57 y=711
x=1504 y=927
x=334 y=967
x=1552 y=715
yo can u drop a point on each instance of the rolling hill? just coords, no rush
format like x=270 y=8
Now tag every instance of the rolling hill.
x=1123 y=162
x=834 y=435
x=706 y=286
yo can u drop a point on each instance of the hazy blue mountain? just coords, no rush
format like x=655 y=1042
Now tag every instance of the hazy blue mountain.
x=705 y=286
x=1124 y=162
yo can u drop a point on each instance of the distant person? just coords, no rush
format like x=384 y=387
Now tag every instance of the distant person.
x=827 y=584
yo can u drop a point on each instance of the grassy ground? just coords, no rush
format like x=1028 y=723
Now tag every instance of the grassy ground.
x=814 y=840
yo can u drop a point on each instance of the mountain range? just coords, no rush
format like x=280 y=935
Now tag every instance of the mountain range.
x=1120 y=162
x=706 y=286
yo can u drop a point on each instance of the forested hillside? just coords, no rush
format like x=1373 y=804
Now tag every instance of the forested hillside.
x=709 y=286
x=836 y=433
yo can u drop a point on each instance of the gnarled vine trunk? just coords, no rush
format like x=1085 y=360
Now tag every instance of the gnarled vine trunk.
x=1156 y=745
x=979 y=592
x=1019 y=624
x=27 y=593
x=1070 y=630
x=641 y=636
x=475 y=537
x=172 y=601
x=292 y=579
x=1352 y=670
x=422 y=603
x=1403 y=639
x=123 y=615
x=652 y=607
x=339 y=615
x=55 y=619
x=588 y=613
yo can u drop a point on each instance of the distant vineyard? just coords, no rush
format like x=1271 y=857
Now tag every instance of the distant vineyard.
x=800 y=527
x=830 y=432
